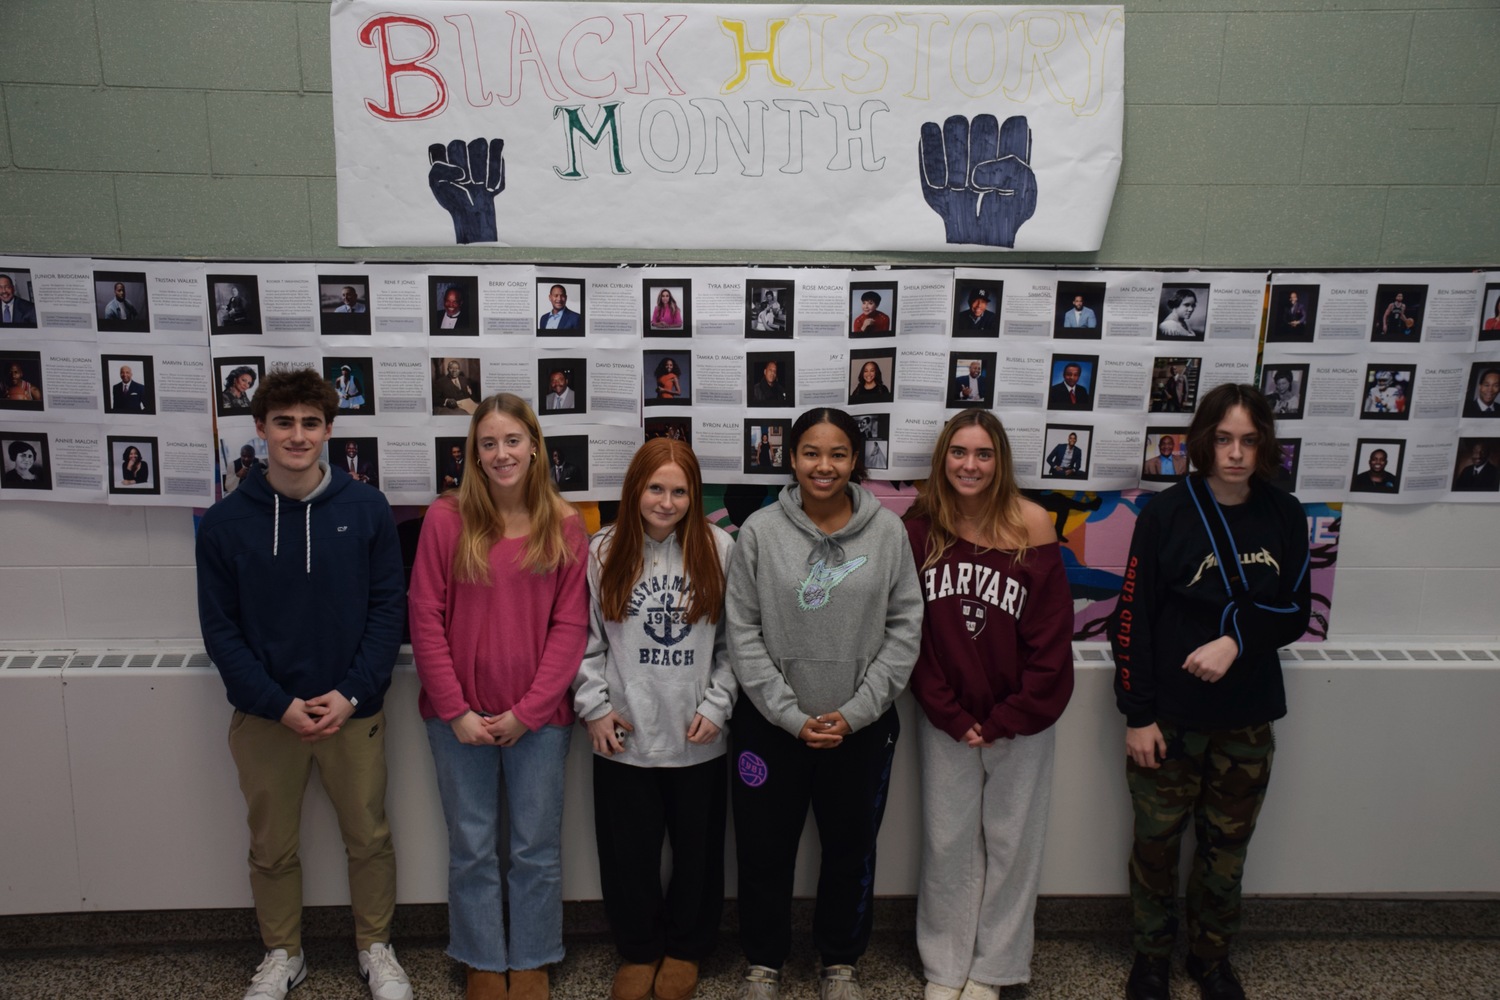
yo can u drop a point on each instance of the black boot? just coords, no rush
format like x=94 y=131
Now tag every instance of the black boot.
x=1215 y=979
x=1149 y=978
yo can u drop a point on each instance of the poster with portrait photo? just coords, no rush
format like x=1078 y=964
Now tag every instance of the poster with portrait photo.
x=1377 y=466
x=765 y=447
x=233 y=304
x=25 y=462
x=872 y=308
x=875 y=441
x=235 y=382
x=1388 y=391
x=1293 y=314
x=675 y=428
x=357 y=456
x=22 y=371
x=568 y=461
x=669 y=378
x=771 y=379
x=559 y=307
x=453 y=305
x=769 y=309
x=976 y=307
x=1174 y=385
x=667 y=307
x=1399 y=311
x=129 y=384
x=133 y=465
x=1182 y=313
x=1482 y=397
x=1165 y=458
x=237 y=459
x=1489 y=319
x=562 y=385
x=1070 y=382
x=456 y=389
x=1065 y=451
x=353 y=378
x=1285 y=389
x=971 y=380
x=1288 y=457
x=120 y=302
x=1474 y=468
x=1079 y=314
x=872 y=375
x=452 y=464
x=17 y=300
x=344 y=304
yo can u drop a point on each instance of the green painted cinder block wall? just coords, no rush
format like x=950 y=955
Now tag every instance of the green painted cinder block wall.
x=1258 y=133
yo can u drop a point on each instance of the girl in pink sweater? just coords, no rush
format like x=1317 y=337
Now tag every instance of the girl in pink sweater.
x=499 y=618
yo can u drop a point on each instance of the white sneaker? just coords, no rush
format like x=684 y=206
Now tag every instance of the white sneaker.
x=761 y=983
x=934 y=991
x=387 y=979
x=839 y=982
x=979 y=991
x=275 y=975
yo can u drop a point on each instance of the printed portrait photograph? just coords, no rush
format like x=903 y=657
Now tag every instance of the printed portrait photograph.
x=561 y=385
x=455 y=386
x=971 y=380
x=1287 y=459
x=771 y=379
x=453 y=305
x=1285 y=389
x=356 y=456
x=872 y=375
x=1065 y=451
x=23 y=381
x=133 y=466
x=669 y=378
x=872 y=308
x=769 y=309
x=1071 y=382
x=237 y=457
x=1293 y=314
x=1489 y=316
x=875 y=440
x=344 y=304
x=676 y=428
x=1182 y=313
x=353 y=379
x=1474 y=468
x=451 y=462
x=1377 y=466
x=1079 y=314
x=765 y=446
x=120 y=302
x=25 y=462
x=233 y=304
x=568 y=461
x=1174 y=385
x=1388 y=389
x=559 y=307
x=976 y=307
x=1166 y=458
x=1399 y=311
x=128 y=383
x=17 y=300
x=667 y=307
x=1482 y=398
x=236 y=380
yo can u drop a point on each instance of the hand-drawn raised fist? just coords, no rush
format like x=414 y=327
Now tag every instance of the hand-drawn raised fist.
x=978 y=177
x=465 y=178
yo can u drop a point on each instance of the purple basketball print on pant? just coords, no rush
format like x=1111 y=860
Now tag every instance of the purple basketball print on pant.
x=752 y=769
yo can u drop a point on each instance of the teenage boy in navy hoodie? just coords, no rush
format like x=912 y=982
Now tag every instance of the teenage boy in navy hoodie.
x=301 y=598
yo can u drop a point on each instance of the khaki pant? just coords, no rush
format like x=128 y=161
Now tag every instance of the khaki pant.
x=274 y=765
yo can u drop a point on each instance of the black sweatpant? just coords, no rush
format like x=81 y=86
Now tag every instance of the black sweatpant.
x=634 y=807
x=776 y=777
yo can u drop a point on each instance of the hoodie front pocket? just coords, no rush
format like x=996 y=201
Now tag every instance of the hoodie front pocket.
x=822 y=685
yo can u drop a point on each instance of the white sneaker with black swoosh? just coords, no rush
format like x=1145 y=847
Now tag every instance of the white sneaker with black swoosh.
x=276 y=974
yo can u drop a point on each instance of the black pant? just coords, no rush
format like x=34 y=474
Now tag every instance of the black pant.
x=633 y=808
x=777 y=777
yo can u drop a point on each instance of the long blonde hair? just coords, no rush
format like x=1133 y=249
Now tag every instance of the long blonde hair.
x=1001 y=518
x=546 y=548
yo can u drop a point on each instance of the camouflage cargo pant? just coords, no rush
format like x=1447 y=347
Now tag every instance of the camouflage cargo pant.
x=1218 y=778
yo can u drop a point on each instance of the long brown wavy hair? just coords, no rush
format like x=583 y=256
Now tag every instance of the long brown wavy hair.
x=937 y=501
x=546 y=549
x=624 y=557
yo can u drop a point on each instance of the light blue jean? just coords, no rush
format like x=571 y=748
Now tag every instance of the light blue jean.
x=471 y=781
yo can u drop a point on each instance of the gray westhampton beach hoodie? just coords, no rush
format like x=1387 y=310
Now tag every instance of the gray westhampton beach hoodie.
x=823 y=622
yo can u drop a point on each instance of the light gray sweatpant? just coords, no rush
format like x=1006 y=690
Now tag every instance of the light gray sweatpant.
x=984 y=818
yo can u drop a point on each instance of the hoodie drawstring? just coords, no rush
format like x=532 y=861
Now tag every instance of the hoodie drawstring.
x=275 y=523
x=306 y=531
x=307 y=534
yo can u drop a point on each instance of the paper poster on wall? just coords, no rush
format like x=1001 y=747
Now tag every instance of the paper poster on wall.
x=748 y=126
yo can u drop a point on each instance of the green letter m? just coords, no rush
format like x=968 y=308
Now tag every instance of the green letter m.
x=578 y=128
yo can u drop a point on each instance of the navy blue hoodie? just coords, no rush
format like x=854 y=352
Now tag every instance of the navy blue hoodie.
x=297 y=598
